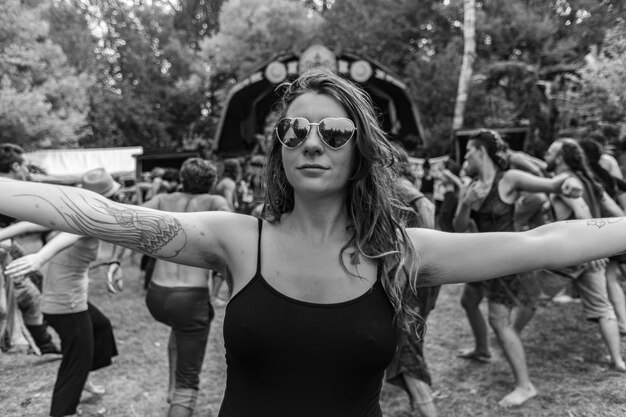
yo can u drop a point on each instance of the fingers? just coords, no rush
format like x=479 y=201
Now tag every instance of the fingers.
x=114 y=286
x=115 y=281
x=110 y=288
x=18 y=267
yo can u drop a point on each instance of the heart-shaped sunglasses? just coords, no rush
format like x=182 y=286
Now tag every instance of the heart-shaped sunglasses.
x=335 y=132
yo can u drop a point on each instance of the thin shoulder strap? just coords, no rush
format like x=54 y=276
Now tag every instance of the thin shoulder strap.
x=258 y=253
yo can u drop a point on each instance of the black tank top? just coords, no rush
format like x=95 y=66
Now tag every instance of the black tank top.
x=291 y=358
x=494 y=215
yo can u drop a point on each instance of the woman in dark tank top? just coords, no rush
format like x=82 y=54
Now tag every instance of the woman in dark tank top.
x=312 y=323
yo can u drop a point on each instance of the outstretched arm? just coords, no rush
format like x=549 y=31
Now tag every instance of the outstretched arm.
x=34 y=261
x=189 y=238
x=524 y=162
x=463 y=257
x=564 y=184
x=21 y=228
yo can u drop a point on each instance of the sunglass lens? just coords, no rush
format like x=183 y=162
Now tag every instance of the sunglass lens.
x=285 y=133
x=292 y=132
x=336 y=132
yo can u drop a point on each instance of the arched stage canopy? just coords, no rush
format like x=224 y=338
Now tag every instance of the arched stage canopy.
x=252 y=99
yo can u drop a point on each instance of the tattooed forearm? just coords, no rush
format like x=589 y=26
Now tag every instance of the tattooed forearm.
x=146 y=231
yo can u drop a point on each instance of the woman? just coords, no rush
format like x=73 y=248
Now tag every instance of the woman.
x=489 y=201
x=87 y=340
x=311 y=325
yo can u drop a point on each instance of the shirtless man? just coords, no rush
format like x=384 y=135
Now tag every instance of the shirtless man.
x=178 y=295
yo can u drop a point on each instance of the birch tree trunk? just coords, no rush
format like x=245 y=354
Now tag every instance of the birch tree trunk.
x=469 y=54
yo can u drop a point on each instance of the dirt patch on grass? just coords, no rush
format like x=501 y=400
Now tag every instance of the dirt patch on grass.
x=565 y=356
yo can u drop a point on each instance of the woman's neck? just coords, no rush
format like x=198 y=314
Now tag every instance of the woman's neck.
x=319 y=219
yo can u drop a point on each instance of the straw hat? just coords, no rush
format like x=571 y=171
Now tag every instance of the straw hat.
x=100 y=181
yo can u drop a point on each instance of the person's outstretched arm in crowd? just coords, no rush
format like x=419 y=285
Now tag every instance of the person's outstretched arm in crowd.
x=21 y=228
x=34 y=261
x=524 y=162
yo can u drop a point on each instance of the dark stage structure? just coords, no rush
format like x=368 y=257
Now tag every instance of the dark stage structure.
x=248 y=112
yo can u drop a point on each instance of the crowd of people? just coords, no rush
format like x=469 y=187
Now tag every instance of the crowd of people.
x=337 y=247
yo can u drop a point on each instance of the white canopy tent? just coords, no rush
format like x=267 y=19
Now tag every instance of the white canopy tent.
x=74 y=162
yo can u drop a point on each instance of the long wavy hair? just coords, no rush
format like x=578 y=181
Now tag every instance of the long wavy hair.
x=375 y=215
x=575 y=158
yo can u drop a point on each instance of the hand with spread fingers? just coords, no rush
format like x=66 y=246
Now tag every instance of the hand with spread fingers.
x=24 y=265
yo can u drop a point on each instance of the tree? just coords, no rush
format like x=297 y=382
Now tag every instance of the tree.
x=42 y=98
x=469 y=53
x=522 y=46
x=196 y=19
x=151 y=84
x=252 y=31
x=600 y=104
x=393 y=32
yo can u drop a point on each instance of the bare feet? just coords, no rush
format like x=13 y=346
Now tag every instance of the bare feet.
x=471 y=354
x=518 y=396
x=619 y=367
x=94 y=389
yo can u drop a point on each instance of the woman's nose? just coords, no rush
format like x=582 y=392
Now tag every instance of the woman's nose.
x=313 y=140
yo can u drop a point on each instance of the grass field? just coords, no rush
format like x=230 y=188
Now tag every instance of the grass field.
x=565 y=356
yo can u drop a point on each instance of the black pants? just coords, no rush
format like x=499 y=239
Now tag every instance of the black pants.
x=87 y=344
x=188 y=311
x=147 y=265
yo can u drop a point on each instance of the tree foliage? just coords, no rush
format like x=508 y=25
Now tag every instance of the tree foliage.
x=252 y=31
x=155 y=74
x=600 y=103
x=42 y=97
x=150 y=89
x=525 y=45
x=197 y=19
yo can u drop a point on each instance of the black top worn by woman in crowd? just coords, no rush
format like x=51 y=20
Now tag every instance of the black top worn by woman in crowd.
x=324 y=277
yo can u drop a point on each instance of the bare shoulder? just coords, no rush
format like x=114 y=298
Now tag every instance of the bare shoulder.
x=220 y=234
x=224 y=224
x=184 y=202
x=210 y=202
